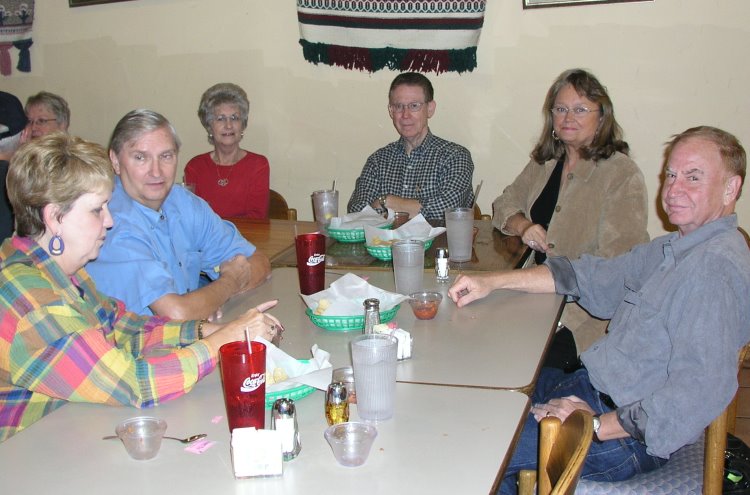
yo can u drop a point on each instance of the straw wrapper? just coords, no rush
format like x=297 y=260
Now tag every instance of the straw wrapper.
x=417 y=228
x=361 y=219
x=314 y=373
x=347 y=294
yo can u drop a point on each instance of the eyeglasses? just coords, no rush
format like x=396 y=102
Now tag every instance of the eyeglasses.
x=576 y=111
x=223 y=118
x=40 y=122
x=414 y=106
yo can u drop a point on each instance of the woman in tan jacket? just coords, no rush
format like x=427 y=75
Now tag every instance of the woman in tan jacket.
x=580 y=193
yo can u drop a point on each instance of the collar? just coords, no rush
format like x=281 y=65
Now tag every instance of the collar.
x=681 y=246
x=425 y=142
x=122 y=201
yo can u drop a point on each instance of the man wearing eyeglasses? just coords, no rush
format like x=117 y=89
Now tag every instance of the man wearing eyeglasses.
x=419 y=173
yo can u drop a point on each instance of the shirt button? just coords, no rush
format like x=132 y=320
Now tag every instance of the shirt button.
x=179 y=263
x=558 y=208
x=161 y=217
x=570 y=176
x=551 y=245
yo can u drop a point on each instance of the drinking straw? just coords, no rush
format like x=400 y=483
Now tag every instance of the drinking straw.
x=476 y=192
x=333 y=188
x=247 y=338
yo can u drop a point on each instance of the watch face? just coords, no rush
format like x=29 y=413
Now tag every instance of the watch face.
x=597 y=424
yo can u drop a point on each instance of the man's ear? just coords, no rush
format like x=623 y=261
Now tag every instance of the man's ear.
x=431 y=108
x=732 y=189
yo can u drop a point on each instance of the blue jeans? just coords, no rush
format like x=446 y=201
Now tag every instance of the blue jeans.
x=612 y=460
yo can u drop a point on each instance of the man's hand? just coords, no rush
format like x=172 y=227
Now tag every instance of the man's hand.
x=560 y=408
x=237 y=271
x=468 y=288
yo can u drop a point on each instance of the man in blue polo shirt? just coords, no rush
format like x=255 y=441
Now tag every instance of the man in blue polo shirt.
x=164 y=237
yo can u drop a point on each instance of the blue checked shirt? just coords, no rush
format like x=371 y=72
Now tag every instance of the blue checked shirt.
x=438 y=173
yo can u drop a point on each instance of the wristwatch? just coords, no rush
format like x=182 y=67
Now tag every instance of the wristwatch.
x=382 y=199
x=597 y=425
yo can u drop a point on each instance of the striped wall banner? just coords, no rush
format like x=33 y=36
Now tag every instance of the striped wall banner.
x=402 y=35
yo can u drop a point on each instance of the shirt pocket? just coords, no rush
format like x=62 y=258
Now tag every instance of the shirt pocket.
x=191 y=270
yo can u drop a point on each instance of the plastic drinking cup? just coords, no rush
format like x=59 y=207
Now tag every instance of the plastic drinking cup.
x=325 y=206
x=351 y=442
x=243 y=377
x=459 y=223
x=311 y=262
x=408 y=265
x=374 y=363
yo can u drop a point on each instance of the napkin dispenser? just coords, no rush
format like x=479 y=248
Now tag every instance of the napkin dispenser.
x=256 y=453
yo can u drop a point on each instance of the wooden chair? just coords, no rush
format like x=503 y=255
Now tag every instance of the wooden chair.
x=278 y=208
x=562 y=452
x=478 y=214
x=693 y=469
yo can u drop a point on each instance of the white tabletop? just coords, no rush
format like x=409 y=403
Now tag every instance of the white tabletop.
x=441 y=440
x=497 y=342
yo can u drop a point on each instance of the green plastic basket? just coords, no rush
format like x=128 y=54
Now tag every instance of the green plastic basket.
x=294 y=393
x=353 y=235
x=347 y=323
x=384 y=253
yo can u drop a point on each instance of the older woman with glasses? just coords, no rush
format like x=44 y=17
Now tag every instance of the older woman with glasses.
x=47 y=112
x=61 y=339
x=235 y=182
x=579 y=194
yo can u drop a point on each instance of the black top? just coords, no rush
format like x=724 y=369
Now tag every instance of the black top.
x=544 y=206
x=6 y=213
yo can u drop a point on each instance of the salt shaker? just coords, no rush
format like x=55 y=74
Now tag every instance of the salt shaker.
x=372 y=314
x=441 y=265
x=284 y=420
x=337 y=403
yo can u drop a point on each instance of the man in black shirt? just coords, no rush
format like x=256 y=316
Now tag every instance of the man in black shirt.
x=13 y=133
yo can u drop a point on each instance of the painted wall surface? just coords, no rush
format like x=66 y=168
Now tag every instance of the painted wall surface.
x=668 y=64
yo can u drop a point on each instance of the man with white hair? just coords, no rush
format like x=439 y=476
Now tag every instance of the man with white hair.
x=13 y=133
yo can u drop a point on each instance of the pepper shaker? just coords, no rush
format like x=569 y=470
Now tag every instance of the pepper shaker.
x=372 y=314
x=441 y=265
x=284 y=420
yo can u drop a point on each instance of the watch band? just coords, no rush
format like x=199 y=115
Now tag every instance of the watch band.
x=382 y=200
x=597 y=424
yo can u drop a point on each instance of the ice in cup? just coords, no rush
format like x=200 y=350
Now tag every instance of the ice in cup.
x=325 y=206
x=459 y=223
x=351 y=442
x=311 y=262
x=374 y=362
x=142 y=436
x=243 y=377
x=408 y=265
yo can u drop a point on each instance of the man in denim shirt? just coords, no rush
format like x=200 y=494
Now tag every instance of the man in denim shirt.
x=679 y=316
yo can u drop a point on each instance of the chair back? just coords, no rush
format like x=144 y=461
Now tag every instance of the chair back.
x=278 y=208
x=562 y=452
x=478 y=214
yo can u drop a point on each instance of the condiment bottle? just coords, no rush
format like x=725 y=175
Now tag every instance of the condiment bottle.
x=441 y=265
x=284 y=420
x=337 y=404
x=372 y=314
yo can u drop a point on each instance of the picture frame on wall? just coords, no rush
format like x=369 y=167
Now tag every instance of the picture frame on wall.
x=535 y=4
x=84 y=3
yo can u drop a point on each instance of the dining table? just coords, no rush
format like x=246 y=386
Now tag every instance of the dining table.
x=440 y=440
x=492 y=250
x=496 y=342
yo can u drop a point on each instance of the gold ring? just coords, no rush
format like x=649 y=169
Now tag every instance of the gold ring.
x=546 y=414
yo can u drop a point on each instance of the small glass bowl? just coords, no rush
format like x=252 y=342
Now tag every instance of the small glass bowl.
x=142 y=436
x=425 y=304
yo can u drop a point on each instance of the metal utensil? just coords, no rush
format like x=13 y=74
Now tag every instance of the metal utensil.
x=181 y=440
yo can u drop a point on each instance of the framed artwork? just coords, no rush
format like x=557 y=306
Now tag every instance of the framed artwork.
x=83 y=3
x=535 y=4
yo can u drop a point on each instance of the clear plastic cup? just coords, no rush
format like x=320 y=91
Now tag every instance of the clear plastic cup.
x=374 y=362
x=325 y=206
x=351 y=442
x=408 y=265
x=459 y=223
x=142 y=436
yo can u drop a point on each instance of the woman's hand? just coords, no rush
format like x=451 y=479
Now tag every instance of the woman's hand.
x=255 y=320
x=535 y=237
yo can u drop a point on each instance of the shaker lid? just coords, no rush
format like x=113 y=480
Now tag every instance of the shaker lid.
x=337 y=392
x=441 y=252
x=372 y=303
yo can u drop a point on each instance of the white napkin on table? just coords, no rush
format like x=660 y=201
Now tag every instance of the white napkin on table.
x=358 y=220
x=416 y=228
x=315 y=373
x=347 y=294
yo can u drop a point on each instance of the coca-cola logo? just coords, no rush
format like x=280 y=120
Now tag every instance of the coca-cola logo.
x=316 y=259
x=252 y=382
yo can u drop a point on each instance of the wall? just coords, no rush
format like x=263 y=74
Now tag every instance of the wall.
x=668 y=64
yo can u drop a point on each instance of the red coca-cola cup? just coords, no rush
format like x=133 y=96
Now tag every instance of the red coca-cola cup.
x=311 y=262
x=243 y=377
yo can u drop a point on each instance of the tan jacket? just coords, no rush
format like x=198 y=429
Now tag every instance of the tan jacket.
x=602 y=210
